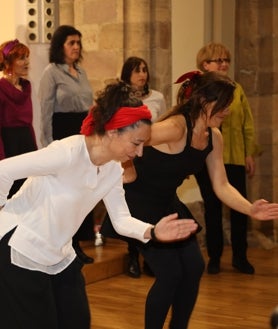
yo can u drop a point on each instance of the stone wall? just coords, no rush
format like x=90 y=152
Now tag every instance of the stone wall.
x=257 y=70
x=116 y=29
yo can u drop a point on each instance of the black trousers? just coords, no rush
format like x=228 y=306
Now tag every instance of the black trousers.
x=16 y=141
x=178 y=268
x=35 y=300
x=213 y=214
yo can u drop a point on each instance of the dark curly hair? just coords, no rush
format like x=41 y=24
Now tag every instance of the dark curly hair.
x=109 y=100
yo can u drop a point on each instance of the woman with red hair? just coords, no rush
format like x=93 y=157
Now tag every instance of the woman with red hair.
x=17 y=134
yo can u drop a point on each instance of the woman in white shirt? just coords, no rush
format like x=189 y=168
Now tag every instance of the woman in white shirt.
x=41 y=282
x=135 y=72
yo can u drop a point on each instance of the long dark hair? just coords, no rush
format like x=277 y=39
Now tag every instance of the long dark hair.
x=56 y=50
x=205 y=88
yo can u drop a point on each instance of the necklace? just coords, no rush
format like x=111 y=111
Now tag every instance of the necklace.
x=13 y=81
x=141 y=93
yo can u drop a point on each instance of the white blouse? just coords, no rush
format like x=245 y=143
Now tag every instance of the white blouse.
x=156 y=103
x=63 y=186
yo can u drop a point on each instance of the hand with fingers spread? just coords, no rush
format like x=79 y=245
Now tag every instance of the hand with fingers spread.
x=264 y=210
x=171 y=228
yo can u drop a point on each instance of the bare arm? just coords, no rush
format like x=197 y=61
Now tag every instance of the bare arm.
x=168 y=131
x=129 y=174
x=260 y=209
x=250 y=166
x=167 y=136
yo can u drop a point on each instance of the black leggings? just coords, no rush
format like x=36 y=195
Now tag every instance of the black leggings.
x=35 y=300
x=178 y=269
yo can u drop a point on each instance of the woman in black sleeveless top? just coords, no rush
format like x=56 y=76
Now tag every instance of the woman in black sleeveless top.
x=182 y=141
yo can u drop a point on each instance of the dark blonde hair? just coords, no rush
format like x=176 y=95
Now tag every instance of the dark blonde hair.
x=211 y=51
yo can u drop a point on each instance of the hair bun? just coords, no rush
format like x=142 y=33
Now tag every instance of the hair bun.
x=188 y=76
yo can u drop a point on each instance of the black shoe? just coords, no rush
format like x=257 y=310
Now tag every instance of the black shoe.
x=213 y=266
x=243 y=266
x=133 y=269
x=147 y=270
x=81 y=255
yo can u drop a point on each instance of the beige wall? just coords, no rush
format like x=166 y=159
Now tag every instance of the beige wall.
x=194 y=23
x=7 y=22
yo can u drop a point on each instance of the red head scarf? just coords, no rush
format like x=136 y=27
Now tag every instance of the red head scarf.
x=187 y=78
x=124 y=116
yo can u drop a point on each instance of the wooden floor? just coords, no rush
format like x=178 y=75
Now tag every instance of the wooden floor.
x=228 y=300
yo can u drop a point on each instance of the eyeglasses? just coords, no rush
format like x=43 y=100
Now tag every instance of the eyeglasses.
x=219 y=61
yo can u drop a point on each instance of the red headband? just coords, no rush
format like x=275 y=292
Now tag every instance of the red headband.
x=9 y=46
x=124 y=116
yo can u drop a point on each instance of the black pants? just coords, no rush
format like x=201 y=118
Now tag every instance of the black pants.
x=213 y=214
x=16 y=141
x=178 y=268
x=35 y=300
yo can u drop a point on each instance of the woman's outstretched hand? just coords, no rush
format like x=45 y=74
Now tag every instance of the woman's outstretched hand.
x=264 y=210
x=170 y=228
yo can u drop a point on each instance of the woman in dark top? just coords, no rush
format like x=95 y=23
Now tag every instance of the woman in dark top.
x=182 y=142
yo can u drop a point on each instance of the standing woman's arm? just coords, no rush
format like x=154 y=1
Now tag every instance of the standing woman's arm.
x=47 y=96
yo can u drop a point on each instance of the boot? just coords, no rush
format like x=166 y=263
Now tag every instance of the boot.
x=133 y=269
x=242 y=265
x=213 y=266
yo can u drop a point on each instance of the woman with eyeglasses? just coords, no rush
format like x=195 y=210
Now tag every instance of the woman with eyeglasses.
x=239 y=151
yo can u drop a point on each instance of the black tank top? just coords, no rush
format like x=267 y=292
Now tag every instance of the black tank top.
x=153 y=194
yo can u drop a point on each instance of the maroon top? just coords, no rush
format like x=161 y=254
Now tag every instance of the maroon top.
x=16 y=110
